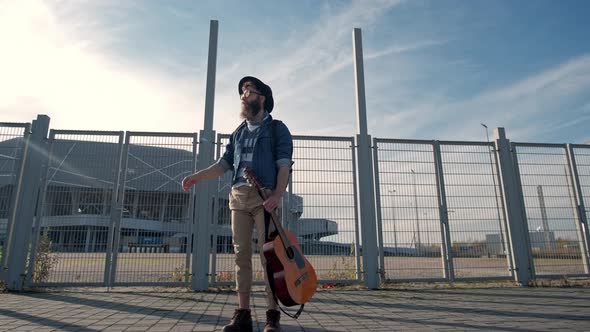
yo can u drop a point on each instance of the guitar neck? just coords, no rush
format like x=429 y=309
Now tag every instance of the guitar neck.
x=275 y=218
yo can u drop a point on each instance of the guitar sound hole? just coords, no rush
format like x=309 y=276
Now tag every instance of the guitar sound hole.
x=290 y=253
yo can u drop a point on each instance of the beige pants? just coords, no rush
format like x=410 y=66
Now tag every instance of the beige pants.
x=246 y=212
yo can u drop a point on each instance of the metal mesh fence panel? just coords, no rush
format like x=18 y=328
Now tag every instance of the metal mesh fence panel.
x=322 y=210
x=11 y=149
x=550 y=209
x=222 y=261
x=409 y=211
x=154 y=238
x=76 y=207
x=475 y=211
x=319 y=208
x=582 y=157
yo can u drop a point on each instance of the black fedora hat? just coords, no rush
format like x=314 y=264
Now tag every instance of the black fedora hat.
x=264 y=89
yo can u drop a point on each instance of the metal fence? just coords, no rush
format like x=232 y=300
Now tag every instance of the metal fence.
x=319 y=206
x=12 y=139
x=72 y=241
x=153 y=237
x=324 y=183
x=111 y=211
x=439 y=211
x=407 y=210
x=548 y=190
x=475 y=211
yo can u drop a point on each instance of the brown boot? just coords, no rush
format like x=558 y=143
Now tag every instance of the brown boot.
x=241 y=321
x=272 y=321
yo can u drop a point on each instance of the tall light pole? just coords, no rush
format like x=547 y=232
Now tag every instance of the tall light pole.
x=392 y=192
x=495 y=190
x=418 y=241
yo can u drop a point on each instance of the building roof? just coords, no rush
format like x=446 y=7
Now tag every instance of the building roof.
x=95 y=165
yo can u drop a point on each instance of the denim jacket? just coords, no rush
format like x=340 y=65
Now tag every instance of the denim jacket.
x=263 y=162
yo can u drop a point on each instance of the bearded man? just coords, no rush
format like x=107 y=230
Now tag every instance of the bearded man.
x=266 y=146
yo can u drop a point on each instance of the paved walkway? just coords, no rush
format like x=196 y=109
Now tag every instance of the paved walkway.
x=153 y=309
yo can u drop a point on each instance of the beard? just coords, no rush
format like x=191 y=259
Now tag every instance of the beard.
x=250 y=109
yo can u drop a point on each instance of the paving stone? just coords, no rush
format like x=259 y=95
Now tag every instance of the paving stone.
x=483 y=309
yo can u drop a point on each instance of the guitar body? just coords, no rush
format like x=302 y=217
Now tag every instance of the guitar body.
x=295 y=280
x=293 y=277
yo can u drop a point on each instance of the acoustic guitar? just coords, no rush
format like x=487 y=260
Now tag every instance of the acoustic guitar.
x=295 y=280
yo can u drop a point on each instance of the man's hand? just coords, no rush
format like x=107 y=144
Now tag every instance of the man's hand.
x=272 y=202
x=208 y=173
x=188 y=182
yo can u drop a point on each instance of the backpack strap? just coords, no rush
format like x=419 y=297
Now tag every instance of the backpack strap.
x=273 y=137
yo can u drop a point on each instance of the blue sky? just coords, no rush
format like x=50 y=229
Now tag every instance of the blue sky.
x=433 y=69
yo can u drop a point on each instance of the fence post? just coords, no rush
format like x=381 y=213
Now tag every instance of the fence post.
x=43 y=185
x=117 y=204
x=365 y=169
x=191 y=216
x=447 y=252
x=357 y=242
x=202 y=239
x=582 y=225
x=27 y=191
x=517 y=229
x=378 y=211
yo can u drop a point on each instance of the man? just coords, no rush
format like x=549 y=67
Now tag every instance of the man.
x=267 y=148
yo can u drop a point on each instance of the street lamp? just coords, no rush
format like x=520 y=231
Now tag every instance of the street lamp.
x=418 y=241
x=392 y=191
x=495 y=190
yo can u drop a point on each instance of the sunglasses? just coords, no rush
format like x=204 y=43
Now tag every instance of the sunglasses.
x=246 y=93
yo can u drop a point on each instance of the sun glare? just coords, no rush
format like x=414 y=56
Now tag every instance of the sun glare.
x=44 y=66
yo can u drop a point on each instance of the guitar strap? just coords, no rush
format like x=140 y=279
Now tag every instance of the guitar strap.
x=270 y=237
x=271 y=282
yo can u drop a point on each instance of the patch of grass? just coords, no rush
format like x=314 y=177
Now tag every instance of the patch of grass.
x=345 y=270
x=180 y=275
x=46 y=260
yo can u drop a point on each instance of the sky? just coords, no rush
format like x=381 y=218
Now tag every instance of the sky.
x=433 y=69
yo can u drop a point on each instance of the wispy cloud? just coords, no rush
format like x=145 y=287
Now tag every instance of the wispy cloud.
x=304 y=73
x=584 y=116
x=565 y=79
x=519 y=106
x=398 y=49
